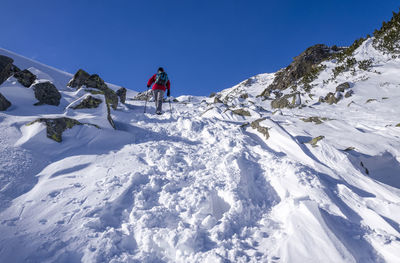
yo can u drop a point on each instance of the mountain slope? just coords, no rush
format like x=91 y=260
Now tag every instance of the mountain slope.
x=223 y=179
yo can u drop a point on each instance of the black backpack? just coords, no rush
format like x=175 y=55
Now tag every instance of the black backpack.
x=162 y=78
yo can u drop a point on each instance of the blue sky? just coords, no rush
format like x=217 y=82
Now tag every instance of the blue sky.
x=204 y=46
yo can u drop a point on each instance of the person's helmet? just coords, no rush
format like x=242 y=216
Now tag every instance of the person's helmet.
x=160 y=69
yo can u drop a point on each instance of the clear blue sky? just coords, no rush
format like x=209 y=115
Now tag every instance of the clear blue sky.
x=204 y=46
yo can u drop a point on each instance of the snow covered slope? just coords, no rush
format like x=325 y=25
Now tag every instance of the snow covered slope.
x=236 y=181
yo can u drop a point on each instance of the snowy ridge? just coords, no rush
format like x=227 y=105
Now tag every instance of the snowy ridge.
x=201 y=185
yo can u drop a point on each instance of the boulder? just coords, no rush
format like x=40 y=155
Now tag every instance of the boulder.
x=241 y=112
x=6 y=68
x=4 y=103
x=342 y=87
x=95 y=82
x=121 y=93
x=263 y=130
x=315 y=119
x=46 y=93
x=145 y=95
x=348 y=94
x=79 y=79
x=88 y=103
x=25 y=77
x=55 y=127
x=302 y=65
x=315 y=140
x=330 y=98
x=286 y=101
x=82 y=78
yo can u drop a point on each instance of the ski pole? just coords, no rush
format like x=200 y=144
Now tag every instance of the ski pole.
x=147 y=97
x=170 y=107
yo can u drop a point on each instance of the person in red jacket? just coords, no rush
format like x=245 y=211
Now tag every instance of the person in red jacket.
x=161 y=83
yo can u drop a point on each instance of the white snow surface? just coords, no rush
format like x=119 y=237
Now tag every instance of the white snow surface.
x=196 y=185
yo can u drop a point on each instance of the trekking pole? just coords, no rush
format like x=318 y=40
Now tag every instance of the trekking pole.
x=170 y=107
x=147 y=97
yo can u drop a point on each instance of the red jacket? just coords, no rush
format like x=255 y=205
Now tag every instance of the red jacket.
x=158 y=86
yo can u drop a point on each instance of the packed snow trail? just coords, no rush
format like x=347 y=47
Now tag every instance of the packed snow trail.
x=200 y=184
x=192 y=189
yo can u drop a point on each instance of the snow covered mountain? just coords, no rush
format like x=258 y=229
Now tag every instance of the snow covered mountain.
x=302 y=165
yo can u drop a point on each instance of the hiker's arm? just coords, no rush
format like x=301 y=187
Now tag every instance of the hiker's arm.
x=151 y=80
x=168 y=85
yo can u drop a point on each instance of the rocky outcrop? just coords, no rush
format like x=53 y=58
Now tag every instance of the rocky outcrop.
x=46 y=93
x=6 y=68
x=121 y=93
x=82 y=78
x=263 y=130
x=302 y=65
x=79 y=79
x=145 y=95
x=88 y=103
x=348 y=94
x=25 y=77
x=342 y=87
x=241 y=112
x=315 y=140
x=286 y=101
x=331 y=98
x=315 y=119
x=4 y=103
x=56 y=127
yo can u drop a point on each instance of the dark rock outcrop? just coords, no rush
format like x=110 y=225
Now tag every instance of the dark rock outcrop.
x=4 y=103
x=241 y=112
x=6 y=68
x=88 y=103
x=121 y=92
x=263 y=130
x=348 y=94
x=25 y=77
x=79 y=79
x=55 y=127
x=342 y=87
x=315 y=140
x=286 y=101
x=301 y=66
x=331 y=98
x=317 y=120
x=145 y=95
x=82 y=78
x=46 y=93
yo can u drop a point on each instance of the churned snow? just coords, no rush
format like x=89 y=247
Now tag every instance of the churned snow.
x=197 y=184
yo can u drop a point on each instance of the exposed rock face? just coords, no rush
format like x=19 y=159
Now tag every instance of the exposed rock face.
x=342 y=87
x=55 y=127
x=4 y=103
x=263 y=130
x=287 y=101
x=25 y=77
x=241 y=112
x=122 y=94
x=109 y=118
x=331 y=98
x=88 y=103
x=348 y=94
x=94 y=81
x=317 y=120
x=301 y=65
x=6 y=68
x=145 y=95
x=46 y=93
x=315 y=140
x=79 y=79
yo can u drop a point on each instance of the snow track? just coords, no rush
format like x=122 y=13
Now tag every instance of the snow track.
x=200 y=185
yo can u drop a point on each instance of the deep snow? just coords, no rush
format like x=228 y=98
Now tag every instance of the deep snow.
x=196 y=185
